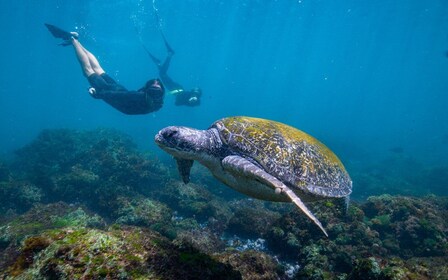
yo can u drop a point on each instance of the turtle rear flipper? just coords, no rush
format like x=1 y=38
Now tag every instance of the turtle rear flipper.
x=239 y=166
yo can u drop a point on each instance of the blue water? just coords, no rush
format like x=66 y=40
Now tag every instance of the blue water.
x=364 y=77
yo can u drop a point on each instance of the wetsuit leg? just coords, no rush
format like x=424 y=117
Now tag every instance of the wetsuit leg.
x=108 y=79
x=105 y=83
x=98 y=82
x=163 y=69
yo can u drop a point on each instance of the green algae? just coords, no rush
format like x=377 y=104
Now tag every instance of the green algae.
x=413 y=230
x=77 y=218
x=382 y=220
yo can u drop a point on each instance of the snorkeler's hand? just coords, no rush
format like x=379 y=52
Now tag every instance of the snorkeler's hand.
x=92 y=92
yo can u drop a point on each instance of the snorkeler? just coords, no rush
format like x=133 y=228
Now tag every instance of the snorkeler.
x=188 y=98
x=145 y=100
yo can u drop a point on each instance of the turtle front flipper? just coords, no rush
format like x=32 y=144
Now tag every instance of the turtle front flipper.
x=239 y=166
x=184 y=167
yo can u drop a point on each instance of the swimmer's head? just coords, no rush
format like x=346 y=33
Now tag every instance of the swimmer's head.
x=154 y=85
x=197 y=91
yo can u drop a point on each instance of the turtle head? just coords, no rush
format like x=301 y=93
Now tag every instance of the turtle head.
x=186 y=145
x=183 y=142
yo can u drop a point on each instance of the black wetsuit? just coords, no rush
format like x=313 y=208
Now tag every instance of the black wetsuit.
x=163 y=74
x=188 y=98
x=142 y=101
x=183 y=98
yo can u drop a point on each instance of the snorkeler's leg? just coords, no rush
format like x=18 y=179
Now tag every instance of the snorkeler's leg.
x=163 y=69
x=83 y=58
x=94 y=63
x=167 y=81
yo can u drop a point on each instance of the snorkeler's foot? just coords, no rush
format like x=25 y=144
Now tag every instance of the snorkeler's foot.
x=68 y=42
x=74 y=34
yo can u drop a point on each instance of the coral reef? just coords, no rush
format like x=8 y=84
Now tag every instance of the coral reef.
x=409 y=227
x=368 y=241
x=59 y=241
x=193 y=200
x=88 y=204
x=18 y=196
x=38 y=219
x=252 y=265
x=125 y=253
x=202 y=240
x=94 y=167
x=251 y=219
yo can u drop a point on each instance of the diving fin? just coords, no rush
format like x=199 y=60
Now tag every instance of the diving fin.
x=168 y=47
x=153 y=58
x=59 y=33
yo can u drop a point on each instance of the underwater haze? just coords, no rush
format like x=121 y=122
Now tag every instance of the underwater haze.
x=86 y=193
x=367 y=78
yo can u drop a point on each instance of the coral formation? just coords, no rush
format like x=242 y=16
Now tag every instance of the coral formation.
x=78 y=204
x=252 y=265
x=125 y=253
x=94 y=167
x=368 y=241
x=250 y=219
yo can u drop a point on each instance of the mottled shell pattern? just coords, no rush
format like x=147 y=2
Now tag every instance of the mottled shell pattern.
x=294 y=157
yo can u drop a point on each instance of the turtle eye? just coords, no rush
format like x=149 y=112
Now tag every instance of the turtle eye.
x=171 y=133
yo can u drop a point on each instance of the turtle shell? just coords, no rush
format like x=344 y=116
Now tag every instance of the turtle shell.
x=294 y=157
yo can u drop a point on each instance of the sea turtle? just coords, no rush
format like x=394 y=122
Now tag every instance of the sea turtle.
x=261 y=158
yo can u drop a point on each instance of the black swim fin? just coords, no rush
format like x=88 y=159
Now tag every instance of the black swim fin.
x=153 y=58
x=168 y=47
x=58 y=33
